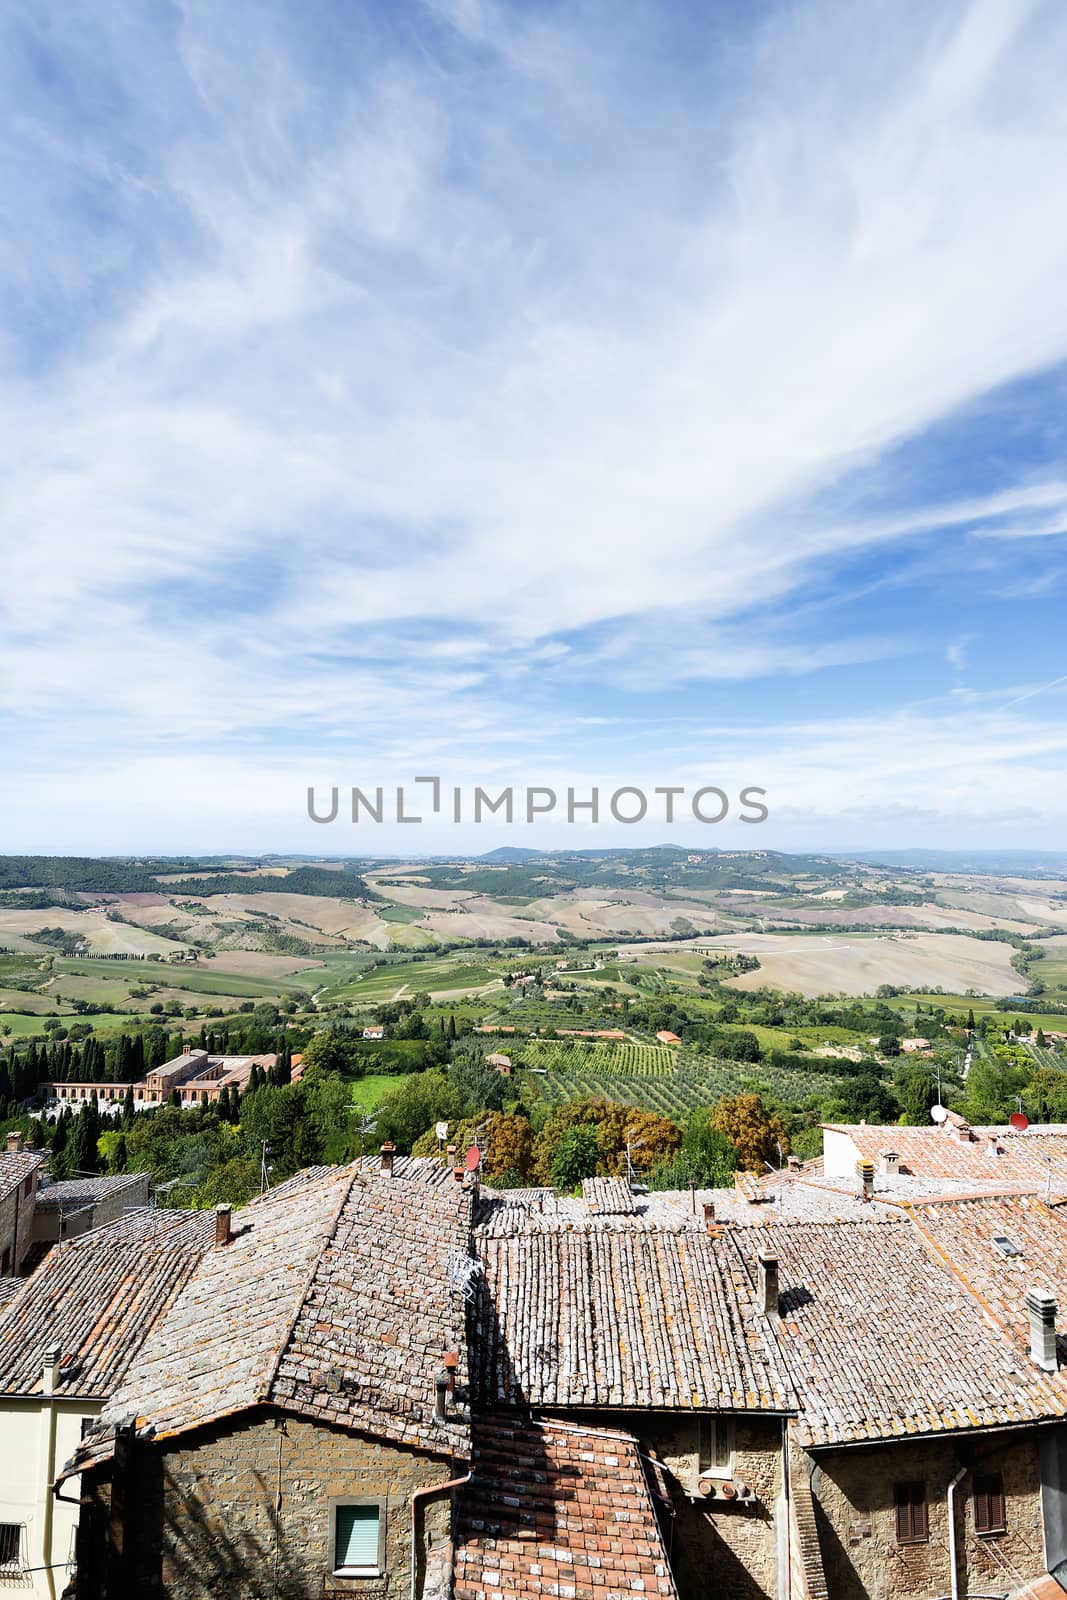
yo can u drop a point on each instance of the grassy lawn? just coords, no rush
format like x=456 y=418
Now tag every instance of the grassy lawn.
x=369 y=1091
x=12 y=1026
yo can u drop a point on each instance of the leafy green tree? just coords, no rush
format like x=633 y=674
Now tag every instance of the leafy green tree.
x=414 y=1106
x=916 y=1091
x=84 y=1156
x=706 y=1158
x=325 y=1051
x=754 y=1132
x=575 y=1157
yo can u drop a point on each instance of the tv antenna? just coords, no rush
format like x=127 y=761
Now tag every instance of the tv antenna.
x=631 y=1171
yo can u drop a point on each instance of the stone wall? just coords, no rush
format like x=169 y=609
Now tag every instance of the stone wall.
x=719 y=1550
x=16 y=1224
x=856 y=1517
x=244 y=1509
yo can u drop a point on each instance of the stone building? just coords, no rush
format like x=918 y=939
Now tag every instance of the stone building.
x=825 y=1385
x=74 y=1206
x=67 y=1338
x=19 y=1175
x=295 y=1423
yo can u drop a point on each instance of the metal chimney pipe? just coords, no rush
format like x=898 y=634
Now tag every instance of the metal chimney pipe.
x=1041 y=1307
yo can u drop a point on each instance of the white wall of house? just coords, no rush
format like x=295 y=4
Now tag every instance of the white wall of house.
x=37 y=1435
x=839 y=1154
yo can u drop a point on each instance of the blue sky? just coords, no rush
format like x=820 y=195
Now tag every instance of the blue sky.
x=585 y=394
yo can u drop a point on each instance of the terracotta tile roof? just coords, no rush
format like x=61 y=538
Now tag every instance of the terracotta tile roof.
x=502 y=1212
x=413 y=1169
x=960 y=1232
x=608 y=1196
x=336 y=1298
x=70 y=1194
x=1027 y=1159
x=882 y=1342
x=598 y=1316
x=9 y=1288
x=556 y=1509
x=16 y=1166
x=98 y=1297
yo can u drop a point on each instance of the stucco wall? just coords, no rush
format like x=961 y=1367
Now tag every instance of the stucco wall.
x=26 y=1481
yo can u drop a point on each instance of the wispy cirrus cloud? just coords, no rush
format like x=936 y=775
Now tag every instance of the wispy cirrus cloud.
x=435 y=361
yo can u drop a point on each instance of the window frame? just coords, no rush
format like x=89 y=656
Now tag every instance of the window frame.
x=716 y=1434
x=993 y=1497
x=909 y=1498
x=342 y=1502
x=14 y=1562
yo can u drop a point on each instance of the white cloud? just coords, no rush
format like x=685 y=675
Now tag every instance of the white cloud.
x=507 y=332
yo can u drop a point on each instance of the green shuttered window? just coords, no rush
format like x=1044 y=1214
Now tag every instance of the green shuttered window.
x=356 y=1540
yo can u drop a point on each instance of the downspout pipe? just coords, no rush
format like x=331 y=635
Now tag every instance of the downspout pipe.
x=424 y=1494
x=785 y=1588
x=953 y=1574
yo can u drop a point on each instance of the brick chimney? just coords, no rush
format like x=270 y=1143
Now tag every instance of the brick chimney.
x=1041 y=1308
x=223 y=1215
x=388 y=1151
x=709 y=1215
x=767 y=1273
x=14 y=1143
x=865 y=1170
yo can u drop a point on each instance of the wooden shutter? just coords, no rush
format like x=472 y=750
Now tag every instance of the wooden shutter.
x=988 y=1503
x=910 y=1501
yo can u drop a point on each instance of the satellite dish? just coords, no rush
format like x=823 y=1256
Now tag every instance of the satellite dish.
x=938 y=1114
x=474 y=1158
x=1019 y=1121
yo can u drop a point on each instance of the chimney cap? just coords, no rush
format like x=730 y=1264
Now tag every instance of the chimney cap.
x=53 y=1355
x=1041 y=1301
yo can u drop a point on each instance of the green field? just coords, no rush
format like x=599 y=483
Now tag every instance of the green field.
x=19 y=1027
x=598 y=1057
x=208 y=979
x=407 y=978
x=369 y=1091
x=688 y=1089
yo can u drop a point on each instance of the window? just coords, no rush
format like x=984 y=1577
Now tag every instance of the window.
x=357 y=1543
x=10 y=1541
x=988 y=1503
x=912 y=1524
x=717 y=1446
